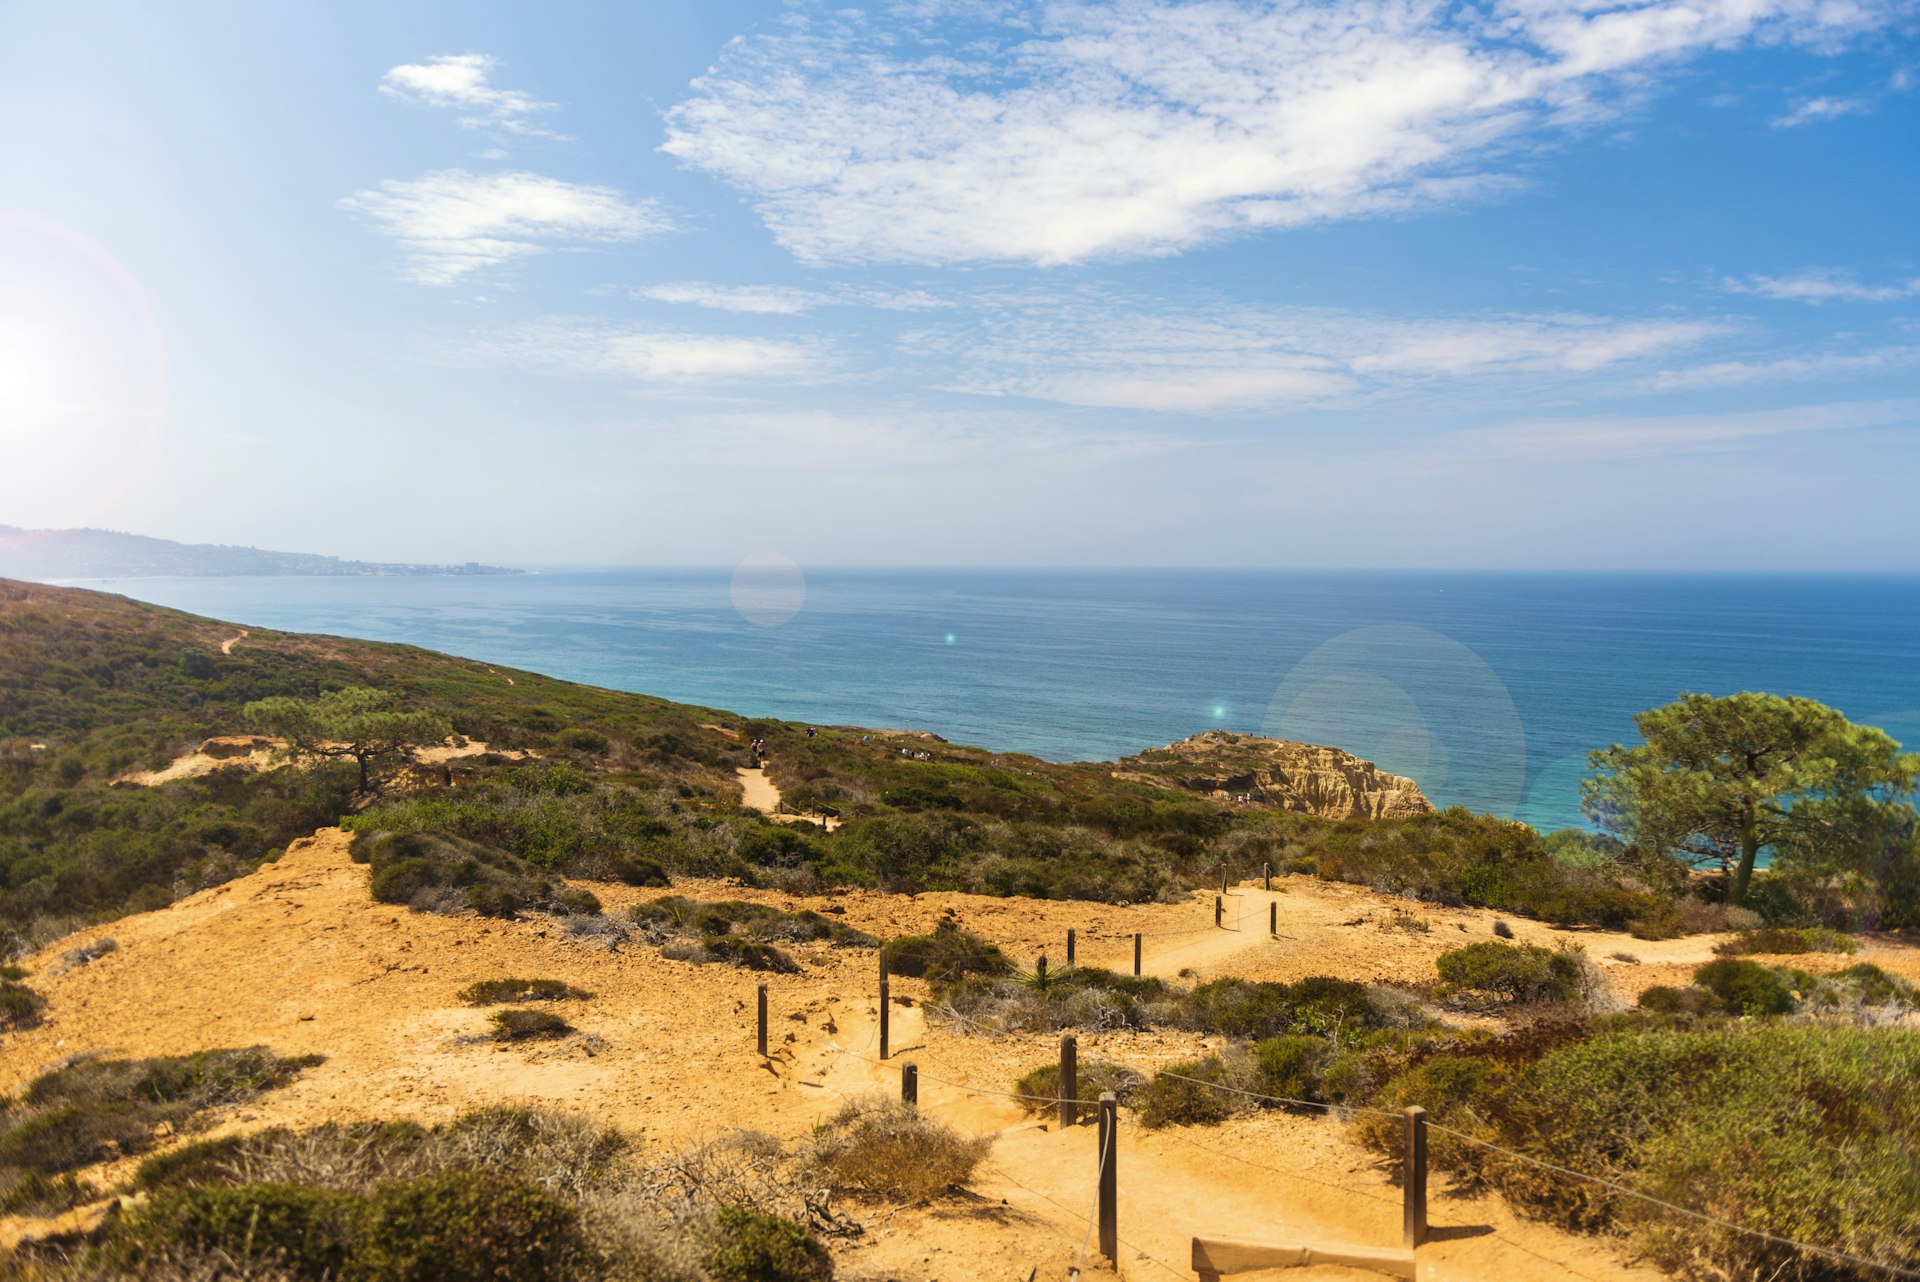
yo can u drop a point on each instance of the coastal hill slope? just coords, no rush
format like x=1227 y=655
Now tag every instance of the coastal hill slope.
x=109 y=554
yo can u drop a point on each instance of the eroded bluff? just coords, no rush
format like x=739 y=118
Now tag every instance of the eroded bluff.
x=1305 y=778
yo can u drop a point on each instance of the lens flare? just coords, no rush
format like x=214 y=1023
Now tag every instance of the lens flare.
x=1415 y=703
x=768 y=589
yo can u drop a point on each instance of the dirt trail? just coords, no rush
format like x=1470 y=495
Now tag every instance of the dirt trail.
x=758 y=792
x=226 y=647
x=298 y=957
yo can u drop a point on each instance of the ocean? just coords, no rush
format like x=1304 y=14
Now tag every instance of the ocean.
x=1488 y=689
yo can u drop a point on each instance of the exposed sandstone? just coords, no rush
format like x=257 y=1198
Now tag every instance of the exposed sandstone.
x=1304 y=778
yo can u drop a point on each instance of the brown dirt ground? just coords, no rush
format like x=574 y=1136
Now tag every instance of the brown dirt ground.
x=298 y=957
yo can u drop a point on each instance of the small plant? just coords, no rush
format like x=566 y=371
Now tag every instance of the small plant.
x=20 y=1007
x=1745 y=988
x=1502 y=930
x=87 y=953
x=884 y=1148
x=524 y=1024
x=496 y=992
x=1041 y=1086
x=1780 y=940
x=1188 y=1095
x=1512 y=973
x=727 y=950
x=946 y=956
x=749 y=1246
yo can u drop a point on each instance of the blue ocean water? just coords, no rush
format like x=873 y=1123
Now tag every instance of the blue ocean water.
x=1488 y=689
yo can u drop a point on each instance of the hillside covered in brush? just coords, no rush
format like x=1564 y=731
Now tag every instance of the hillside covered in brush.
x=97 y=692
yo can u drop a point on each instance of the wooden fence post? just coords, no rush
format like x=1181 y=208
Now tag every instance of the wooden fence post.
x=1273 y=919
x=910 y=1084
x=1266 y=871
x=1109 y=1177
x=1416 y=1177
x=1136 y=954
x=763 y=1021
x=1069 y=1091
x=1069 y=948
x=1219 y=906
x=1223 y=879
x=886 y=1003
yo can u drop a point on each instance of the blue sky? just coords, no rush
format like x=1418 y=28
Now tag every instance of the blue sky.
x=1538 y=283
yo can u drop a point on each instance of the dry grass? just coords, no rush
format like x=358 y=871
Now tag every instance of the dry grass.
x=885 y=1149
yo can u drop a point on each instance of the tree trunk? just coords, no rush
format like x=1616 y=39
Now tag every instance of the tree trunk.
x=1749 y=851
x=361 y=757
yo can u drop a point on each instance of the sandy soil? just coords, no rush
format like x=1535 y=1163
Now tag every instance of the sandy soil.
x=226 y=647
x=264 y=754
x=298 y=957
x=758 y=792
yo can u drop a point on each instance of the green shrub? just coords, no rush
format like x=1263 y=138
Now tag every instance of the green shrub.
x=524 y=1025
x=200 y=1162
x=310 y=1231
x=1293 y=1066
x=466 y=1226
x=20 y=1007
x=1744 y=987
x=1090 y=1080
x=1786 y=939
x=1511 y=972
x=636 y=871
x=35 y=1193
x=889 y=1150
x=1169 y=1100
x=92 y=1109
x=946 y=956
x=728 y=950
x=431 y=871
x=1664 y=999
x=494 y=992
x=1874 y=987
x=748 y=1246
x=675 y=916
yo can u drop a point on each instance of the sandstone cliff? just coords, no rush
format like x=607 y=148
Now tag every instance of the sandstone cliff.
x=1301 y=777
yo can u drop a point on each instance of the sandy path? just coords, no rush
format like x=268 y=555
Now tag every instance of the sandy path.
x=298 y=957
x=226 y=647
x=757 y=791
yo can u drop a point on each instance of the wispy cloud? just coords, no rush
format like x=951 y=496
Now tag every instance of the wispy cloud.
x=461 y=82
x=453 y=222
x=1814 y=110
x=1651 y=436
x=1822 y=287
x=1101 y=350
x=1787 y=369
x=762 y=300
x=649 y=356
x=918 y=438
x=1076 y=130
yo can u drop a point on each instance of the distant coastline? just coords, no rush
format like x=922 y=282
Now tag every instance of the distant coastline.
x=89 y=554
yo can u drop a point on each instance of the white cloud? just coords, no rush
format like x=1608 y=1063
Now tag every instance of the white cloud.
x=784 y=300
x=460 y=82
x=1784 y=369
x=1823 y=287
x=1119 y=353
x=453 y=222
x=916 y=439
x=1815 y=110
x=1075 y=130
x=650 y=356
x=1650 y=436
x=763 y=300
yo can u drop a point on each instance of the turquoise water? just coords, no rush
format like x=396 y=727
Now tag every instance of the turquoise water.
x=1486 y=688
